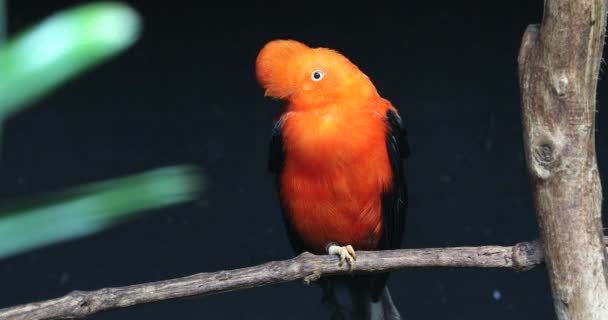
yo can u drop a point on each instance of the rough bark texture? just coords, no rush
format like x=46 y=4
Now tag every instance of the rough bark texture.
x=80 y=304
x=559 y=63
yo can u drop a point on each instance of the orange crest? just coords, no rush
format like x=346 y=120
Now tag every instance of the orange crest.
x=280 y=65
x=309 y=77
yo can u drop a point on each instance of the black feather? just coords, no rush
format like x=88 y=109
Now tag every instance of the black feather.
x=393 y=200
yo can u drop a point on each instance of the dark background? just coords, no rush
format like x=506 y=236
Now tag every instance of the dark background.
x=186 y=93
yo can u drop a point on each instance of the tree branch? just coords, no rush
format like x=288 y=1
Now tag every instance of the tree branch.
x=559 y=63
x=309 y=267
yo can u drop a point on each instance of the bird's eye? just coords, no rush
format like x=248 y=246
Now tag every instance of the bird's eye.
x=317 y=75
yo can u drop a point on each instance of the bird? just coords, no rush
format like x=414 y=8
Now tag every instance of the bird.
x=337 y=151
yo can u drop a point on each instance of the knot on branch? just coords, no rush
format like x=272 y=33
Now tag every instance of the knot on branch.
x=545 y=155
x=526 y=255
x=82 y=304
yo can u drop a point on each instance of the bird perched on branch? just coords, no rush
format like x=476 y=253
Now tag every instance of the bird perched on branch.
x=337 y=152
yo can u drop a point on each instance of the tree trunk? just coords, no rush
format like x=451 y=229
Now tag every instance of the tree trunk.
x=559 y=63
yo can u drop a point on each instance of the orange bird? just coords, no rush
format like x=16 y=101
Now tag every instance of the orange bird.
x=337 y=152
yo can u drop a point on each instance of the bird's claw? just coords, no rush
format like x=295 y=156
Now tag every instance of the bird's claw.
x=346 y=253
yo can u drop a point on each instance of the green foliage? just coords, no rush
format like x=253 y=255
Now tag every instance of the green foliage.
x=60 y=47
x=86 y=209
x=33 y=64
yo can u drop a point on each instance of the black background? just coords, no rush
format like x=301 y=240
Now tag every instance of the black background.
x=186 y=93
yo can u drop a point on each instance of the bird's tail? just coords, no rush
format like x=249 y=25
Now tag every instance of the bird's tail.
x=353 y=300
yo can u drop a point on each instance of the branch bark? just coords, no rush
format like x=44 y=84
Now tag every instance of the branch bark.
x=559 y=63
x=309 y=267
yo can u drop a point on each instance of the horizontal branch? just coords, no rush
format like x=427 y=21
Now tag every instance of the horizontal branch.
x=309 y=267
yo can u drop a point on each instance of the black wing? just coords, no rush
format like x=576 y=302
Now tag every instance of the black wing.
x=276 y=162
x=394 y=200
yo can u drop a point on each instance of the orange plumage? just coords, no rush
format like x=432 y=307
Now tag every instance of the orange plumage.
x=336 y=165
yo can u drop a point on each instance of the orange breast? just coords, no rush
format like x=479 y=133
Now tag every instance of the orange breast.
x=335 y=171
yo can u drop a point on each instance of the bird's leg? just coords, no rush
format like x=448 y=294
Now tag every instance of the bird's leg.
x=346 y=253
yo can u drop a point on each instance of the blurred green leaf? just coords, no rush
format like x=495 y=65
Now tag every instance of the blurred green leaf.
x=59 y=48
x=86 y=209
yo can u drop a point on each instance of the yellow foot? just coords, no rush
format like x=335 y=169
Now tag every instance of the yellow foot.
x=346 y=253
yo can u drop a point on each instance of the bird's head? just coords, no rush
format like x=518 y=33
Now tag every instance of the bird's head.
x=291 y=70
